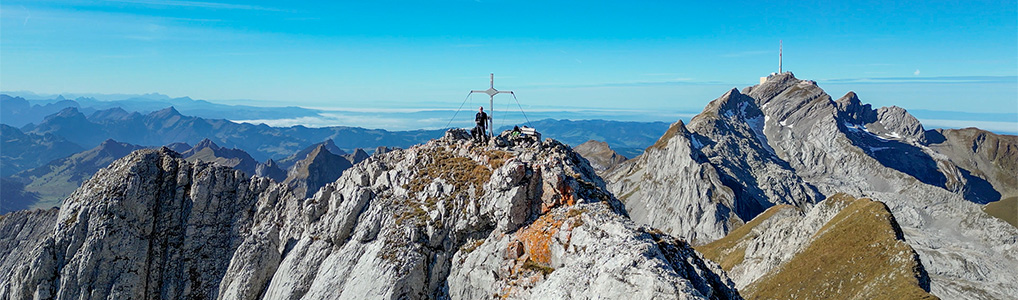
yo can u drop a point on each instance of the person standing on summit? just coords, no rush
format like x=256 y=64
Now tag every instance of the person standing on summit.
x=481 y=119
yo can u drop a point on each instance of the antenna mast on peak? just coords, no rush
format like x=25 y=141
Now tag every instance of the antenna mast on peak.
x=779 y=56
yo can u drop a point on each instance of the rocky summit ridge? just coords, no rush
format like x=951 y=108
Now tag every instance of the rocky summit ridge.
x=449 y=219
x=785 y=141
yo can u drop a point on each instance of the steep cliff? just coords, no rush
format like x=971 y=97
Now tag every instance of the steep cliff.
x=447 y=219
x=801 y=145
x=842 y=248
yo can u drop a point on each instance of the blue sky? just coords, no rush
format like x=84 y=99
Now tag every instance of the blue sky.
x=654 y=55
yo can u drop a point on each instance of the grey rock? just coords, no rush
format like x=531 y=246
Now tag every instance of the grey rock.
x=289 y=161
x=23 y=232
x=672 y=178
x=969 y=255
x=314 y=171
x=208 y=151
x=357 y=156
x=270 y=169
x=153 y=225
x=600 y=155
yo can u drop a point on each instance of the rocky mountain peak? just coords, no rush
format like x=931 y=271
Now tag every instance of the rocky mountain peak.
x=66 y=113
x=899 y=124
x=318 y=168
x=271 y=170
x=447 y=219
x=208 y=151
x=204 y=143
x=803 y=147
x=600 y=155
x=853 y=109
x=357 y=156
x=329 y=145
x=165 y=113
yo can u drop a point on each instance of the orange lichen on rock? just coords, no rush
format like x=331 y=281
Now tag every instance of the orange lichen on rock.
x=537 y=238
x=567 y=195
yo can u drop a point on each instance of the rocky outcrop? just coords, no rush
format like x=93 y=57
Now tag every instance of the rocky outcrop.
x=357 y=156
x=725 y=145
x=842 y=248
x=672 y=187
x=981 y=154
x=383 y=149
x=270 y=170
x=23 y=232
x=785 y=141
x=601 y=156
x=318 y=168
x=151 y=225
x=208 y=151
x=289 y=161
x=447 y=219
x=924 y=191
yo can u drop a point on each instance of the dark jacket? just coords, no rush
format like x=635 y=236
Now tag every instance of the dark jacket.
x=481 y=119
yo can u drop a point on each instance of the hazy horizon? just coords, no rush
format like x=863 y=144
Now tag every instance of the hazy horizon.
x=639 y=57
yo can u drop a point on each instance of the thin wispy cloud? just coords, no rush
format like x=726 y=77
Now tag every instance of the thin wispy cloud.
x=28 y=15
x=197 y=4
x=676 y=81
x=932 y=79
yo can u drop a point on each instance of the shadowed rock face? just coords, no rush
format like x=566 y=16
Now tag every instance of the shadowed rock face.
x=717 y=172
x=822 y=147
x=318 y=168
x=289 y=161
x=271 y=170
x=981 y=154
x=208 y=151
x=447 y=219
x=601 y=156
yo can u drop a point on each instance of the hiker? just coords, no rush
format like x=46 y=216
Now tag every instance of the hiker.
x=481 y=119
x=516 y=132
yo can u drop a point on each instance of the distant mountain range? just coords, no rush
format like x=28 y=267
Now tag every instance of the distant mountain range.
x=168 y=126
x=49 y=154
x=19 y=111
x=626 y=138
x=783 y=191
x=53 y=182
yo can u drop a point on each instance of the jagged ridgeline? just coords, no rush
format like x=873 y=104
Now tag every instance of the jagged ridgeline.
x=446 y=219
x=786 y=143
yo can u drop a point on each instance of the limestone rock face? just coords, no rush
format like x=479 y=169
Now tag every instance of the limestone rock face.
x=731 y=132
x=984 y=157
x=447 y=219
x=150 y=225
x=845 y=146
x=672 y=179
x=720 y=171
x=23 y=231
x=601 y=156
x=842 y=248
